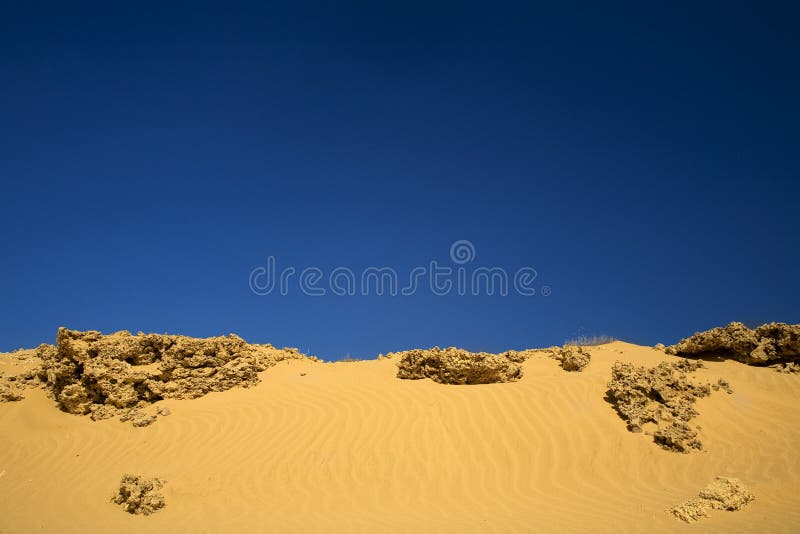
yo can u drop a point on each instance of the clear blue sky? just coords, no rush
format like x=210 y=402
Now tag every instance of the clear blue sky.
x=644 y=160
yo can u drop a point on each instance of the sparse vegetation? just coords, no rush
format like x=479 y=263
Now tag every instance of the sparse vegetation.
x=589 y=341
x=348 y=358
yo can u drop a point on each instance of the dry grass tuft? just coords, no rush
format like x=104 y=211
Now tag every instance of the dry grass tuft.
x=590 y=341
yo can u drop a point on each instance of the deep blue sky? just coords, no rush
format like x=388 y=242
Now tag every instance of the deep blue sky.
x=644 y=160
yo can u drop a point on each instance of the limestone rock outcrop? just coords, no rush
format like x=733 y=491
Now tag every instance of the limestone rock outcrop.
x=458 y=366
x=572 y=357
x=108 y=375
x=772 y=343
x=662 y=395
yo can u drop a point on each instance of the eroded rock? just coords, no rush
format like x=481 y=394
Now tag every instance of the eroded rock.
x=723 y=385
x=109 y=375
x=691 y=510
x=22 y=374
x=137 y=418
x=138 y=495
x=99 y=412
x=458 y=366
x=9 y=393
x=572 y=357
x=661 y=395
x=722 y=494
x=767 y=344
x=788 y=367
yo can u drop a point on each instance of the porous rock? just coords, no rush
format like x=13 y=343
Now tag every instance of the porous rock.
x=106 y=375
x=723 y=385
x=457 y=366
x=9 y=393
x=138 y=495
x=768 y=344
x=788 y=367
x=722 y=494
x=23 y=374
x=137 y=418
x=572 y=357
x=662 y=395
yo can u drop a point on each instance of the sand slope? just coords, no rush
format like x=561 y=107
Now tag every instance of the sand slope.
x=350 y=448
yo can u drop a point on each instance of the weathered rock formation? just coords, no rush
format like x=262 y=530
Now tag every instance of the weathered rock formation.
x=572 y=357
x=662 y=395
x=773 y=343
x=25 y=375
x=9 y=393
x=138 y=495
x=722 y=494
x=458 y=366
x=108 y=375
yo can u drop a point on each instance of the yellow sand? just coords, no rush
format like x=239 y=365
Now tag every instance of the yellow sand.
x=350 y=448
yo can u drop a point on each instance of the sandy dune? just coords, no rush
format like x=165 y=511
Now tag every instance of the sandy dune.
x=349 y=447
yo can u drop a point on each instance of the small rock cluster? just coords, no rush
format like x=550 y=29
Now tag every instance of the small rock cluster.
x=13 y=385
x=9 y=393
x=138 y=495
x=773 y=343
x=662 y=395
x=723 y=385
x=722 y=494
x=458 y=366
x=788 y=367
x=572 y=357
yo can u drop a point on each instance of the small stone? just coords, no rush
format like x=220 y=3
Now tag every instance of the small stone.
x=137 y=418
x=9 y=394
x=138 y=495
x=722 y=494
x=725 y=386
x=791 y=367
x=100 y=412
x=143 y=421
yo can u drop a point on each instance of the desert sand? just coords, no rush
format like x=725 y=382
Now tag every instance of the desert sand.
x=350 y=447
